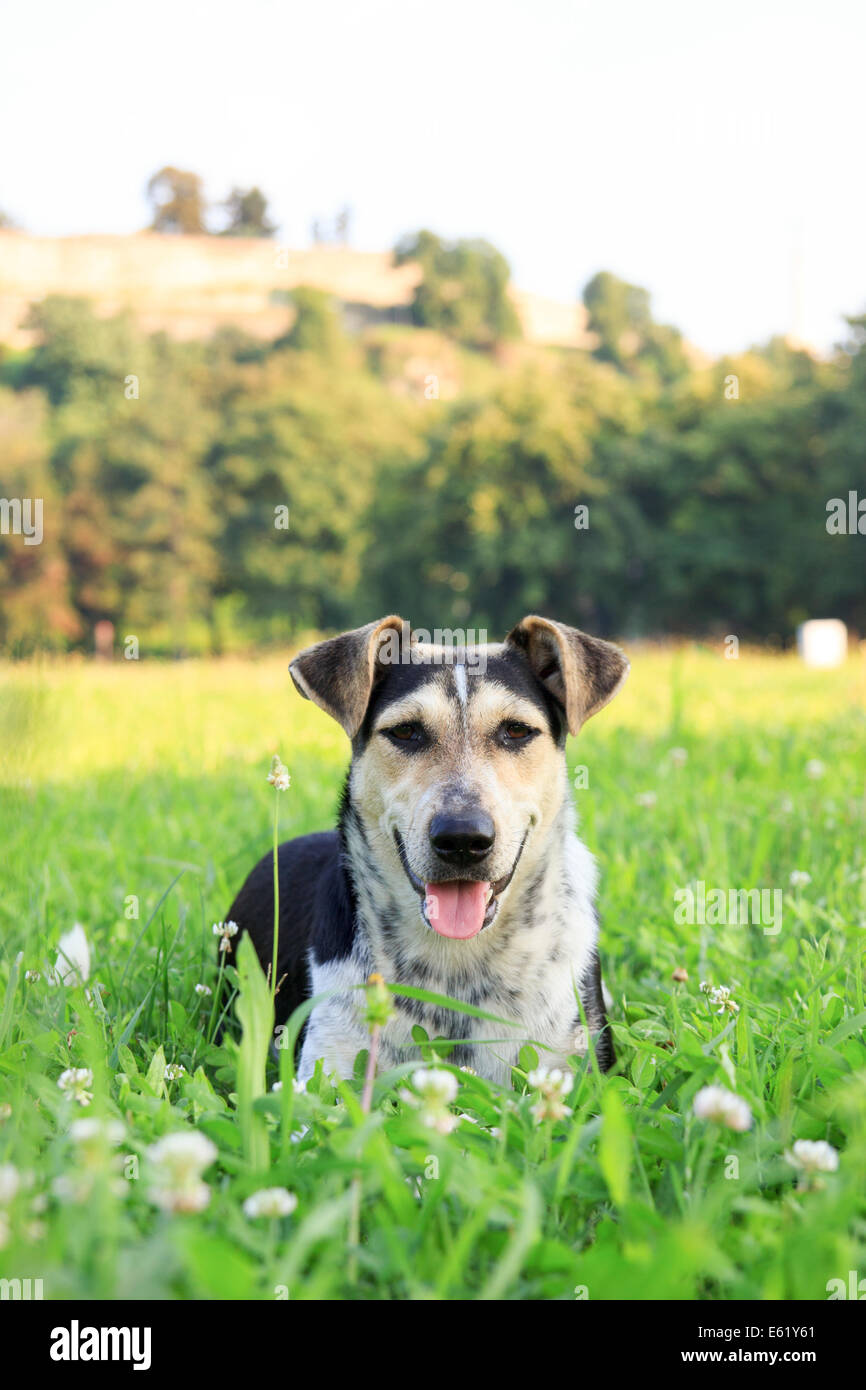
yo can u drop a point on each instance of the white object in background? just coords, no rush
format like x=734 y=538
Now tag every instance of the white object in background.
x=823 y=642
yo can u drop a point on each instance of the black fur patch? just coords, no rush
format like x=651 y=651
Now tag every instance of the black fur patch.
x=317 y=912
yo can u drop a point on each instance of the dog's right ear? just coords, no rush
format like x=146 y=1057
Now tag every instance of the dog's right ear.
x=339 y=674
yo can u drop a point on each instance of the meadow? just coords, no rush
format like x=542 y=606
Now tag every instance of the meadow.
x=134 y=799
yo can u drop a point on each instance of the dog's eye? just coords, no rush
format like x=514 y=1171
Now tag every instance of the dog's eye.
x=408 y=733
x=515 y=732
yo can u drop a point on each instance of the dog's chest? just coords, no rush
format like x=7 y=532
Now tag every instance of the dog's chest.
x=529 y=974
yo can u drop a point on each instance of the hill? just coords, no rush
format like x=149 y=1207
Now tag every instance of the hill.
x=188 y=286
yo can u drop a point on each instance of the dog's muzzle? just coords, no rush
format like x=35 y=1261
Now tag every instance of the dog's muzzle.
x=457 y=908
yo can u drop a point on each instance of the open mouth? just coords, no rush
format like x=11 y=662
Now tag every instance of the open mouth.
x=458 y=908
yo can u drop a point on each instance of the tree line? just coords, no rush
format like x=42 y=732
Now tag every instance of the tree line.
x=207 y=495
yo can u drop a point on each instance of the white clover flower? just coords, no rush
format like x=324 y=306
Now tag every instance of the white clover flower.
x=174 y=1071
x=719 y=1104
x=279 y=774
x=552 y=1086
x=646 y=798
x=720 y=995
x=270 y=1201
x=93 y=1130
x=10 y=1181
x=436 y=1090
x=786 y=806
x=203 y=990
x=76 y=1190
x=441 y=1120
x=299 y=1087
x=5 y=1112
x=75 y=1081
x=434 y=1083
x=183 y=1152
x=177 y=1162
x=815 y=769
x=545 y=1079
x=679 y=756
x=799 y=878
x=813 y=1156
x=73 y=958
x=225 y=930
x=194 y=1196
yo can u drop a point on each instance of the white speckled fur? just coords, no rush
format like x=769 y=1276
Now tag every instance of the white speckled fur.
x=528 y=967
x=534 y=964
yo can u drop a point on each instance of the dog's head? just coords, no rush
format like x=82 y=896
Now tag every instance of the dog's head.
x=458 y=768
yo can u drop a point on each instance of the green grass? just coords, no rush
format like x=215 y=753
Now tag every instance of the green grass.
x=147 y=782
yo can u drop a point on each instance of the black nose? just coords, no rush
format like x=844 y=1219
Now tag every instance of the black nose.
x=462 y=839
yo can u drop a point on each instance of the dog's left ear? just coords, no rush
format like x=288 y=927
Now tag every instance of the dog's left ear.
x=581 y=672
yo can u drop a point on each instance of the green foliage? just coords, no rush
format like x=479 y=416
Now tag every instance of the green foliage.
x=202 y=495
x=177 y=196
x=463 y=290
x=247 y=213
x=316 y=327
x=255 y=1013
x=620 y=317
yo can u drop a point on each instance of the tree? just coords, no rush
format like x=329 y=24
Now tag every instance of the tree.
x=303 y=437
x=316 y=327
x=247 y=213
x=178 y=202
x=36 y=609
x=76 y=353
x=463 y=290
x=628 y=337
x=260 y=488
x=479 y=528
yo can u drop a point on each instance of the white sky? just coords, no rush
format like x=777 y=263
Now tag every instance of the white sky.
x=712 y=152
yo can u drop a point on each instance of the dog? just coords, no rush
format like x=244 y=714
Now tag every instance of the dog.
x=456 y=867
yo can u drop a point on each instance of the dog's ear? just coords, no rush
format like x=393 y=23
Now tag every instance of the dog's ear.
x=581 y=672
x=338 y=675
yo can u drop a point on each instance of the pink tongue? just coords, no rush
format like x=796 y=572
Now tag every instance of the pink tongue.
x=457 y=909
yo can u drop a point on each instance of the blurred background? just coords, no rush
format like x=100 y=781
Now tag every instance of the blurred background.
x=311 y=313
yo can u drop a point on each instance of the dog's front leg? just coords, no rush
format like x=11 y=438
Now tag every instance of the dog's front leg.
x=336 y=1034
